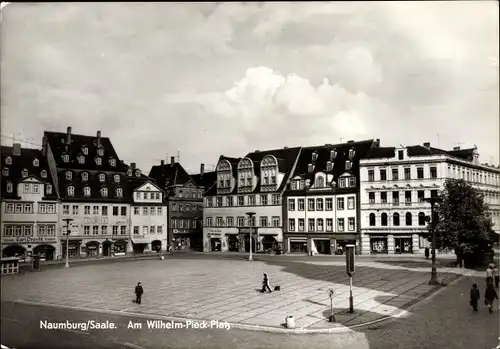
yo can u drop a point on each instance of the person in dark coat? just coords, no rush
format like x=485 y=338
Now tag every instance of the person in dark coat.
x=489 y=296
x=139 y=291
x=427 y=253
x=474 y=296
x=496 y=276
x=265 y=284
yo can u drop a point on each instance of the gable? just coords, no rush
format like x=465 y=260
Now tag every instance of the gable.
x=190 y=185
x=30 y=179
x=148 y=186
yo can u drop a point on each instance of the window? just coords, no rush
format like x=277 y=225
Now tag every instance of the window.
x=87 y=210
x=310 y=204
x=115 y=230
x=137 y=173
x=65 y=209
x=319 y=204
x=136 y=230
x=319 y=224
x=71 y=191
x=371 y=197
x=395 y=174
x=333 y=154
x=95 y=210
x=8 y=160
x=42 y=208
x=86 y=191
x=65 y=158
x=407 y=172
x=263 y=200
x=159 y=211
x=119 y=192
x=229 y=222
x=19 y=208
x=276 y=222
x=112 y=162
x=69 y=175
x=340 y=224
x=75 y=210
x=329 y=166
x=9 y=208
x=433 y=171
x=383 y=197
x=136 y=211
x=329 y=224
x=420 y=195
x=383 y=175
x=340 y=203
x=294 y=185
x=145 y=211
x=9 y=187
x=395 y=198
x=159 y=229
x=301 y=204
x=320 y=182
x=85 y=150
x=98 y=161
x=116 y=178
x=311 y=225
x=421 y=218
x=420 y=172
x=218 y=201
x=229 y=201
x=240 y=221
x=102 y=177
x=351 y=224
x=348 y=165
x=218 y=222
x=276 y=200
x=395 y=219
x=208 y=221
x=95 y=230
x=372 y=219
x=434 y=193
x=301 y=224
x=409 y=219
x=123 y=230
x=241 y=200
x=26 y=188
x=291 y=224
x=81 y=160
x=371 y=175
x=350 y=203
x=43 y=174
x=5 y=171
x=352 y=181
x=263 y=221
x=408 y=197
x=401 y=155
x=104 y=192
x=28 y=208
x=291 y=204
x=383 y=220
x=251 y=200
x=85 y=176
x=124 y=210
x=86 y=230
x=310 y=167
x=129 y=173
x=115 y=210
x=36 y=189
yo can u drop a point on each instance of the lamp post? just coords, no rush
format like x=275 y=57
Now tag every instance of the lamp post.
x=250 y=221
x=433 y=201
x=67 y=220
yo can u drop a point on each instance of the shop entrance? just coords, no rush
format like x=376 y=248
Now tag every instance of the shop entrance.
x=46 y=252
x=106 y=248
x=233 y=243
x=269 y=243
x=247 y=244
x=215 y=245
x=323 y=246
x=378 y=244
x=298 y=246
x=14 y=251
x=403 y=245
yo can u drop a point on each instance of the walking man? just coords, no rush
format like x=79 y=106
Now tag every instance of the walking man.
x=489 y=275
x=489 y=296
x=138 y=293
x=265 y=284
x=474 y=296
x=496 y=276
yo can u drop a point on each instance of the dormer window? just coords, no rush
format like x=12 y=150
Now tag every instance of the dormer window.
x=85 y=150
x=117 y=178
x=36 y=163
x=119 y=192
x=351 y=153
x=86 y=191
x=314 y=156
x=81 y=159
x=100 y=151
x=104 y=192
x=24 y=173
x=8 y=160
x=112 y=162
x=137 y=173
x=129 y=172
x=5 y=171
x=85 y=176
x=48 y=189
x=71 y=191
x=69 y=175
x=102 y=177
x=310 y=167
x=43 y=174
x=98 y=161
x=333 y=154
x=65 y=158
x=320 y=182
x=348 y=165
x=9 y=187
x=329 y=166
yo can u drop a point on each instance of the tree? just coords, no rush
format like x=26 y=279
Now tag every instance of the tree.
x=463 y=222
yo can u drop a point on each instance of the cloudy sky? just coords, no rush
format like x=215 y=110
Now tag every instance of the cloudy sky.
x=207 y=79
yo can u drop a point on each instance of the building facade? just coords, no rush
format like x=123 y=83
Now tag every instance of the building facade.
x=148 y=214
x=185 y=205
x=92 y=184
x=394 y=183
x=29 y=205
x=252 y=184
x=321 y=202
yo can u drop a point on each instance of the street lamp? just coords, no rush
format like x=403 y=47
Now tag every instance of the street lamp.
x=250 y=220
x=67 y=220
x=433 y=201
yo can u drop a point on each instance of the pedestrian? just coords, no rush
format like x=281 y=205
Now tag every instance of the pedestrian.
x=474 y=296
x=139 y=291
x=496 y=276
x=427 y=253
x=489 y=296
x=489 y=274
x=265 y=284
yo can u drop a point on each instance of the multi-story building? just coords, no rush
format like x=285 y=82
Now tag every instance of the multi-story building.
x=92 y=185
x=185 y=204
x=148 y=213
x=254 y=183
x=321 y=202
x=29 y=206
x=394 y=183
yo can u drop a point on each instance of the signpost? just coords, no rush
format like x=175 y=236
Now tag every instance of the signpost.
x=349 y=256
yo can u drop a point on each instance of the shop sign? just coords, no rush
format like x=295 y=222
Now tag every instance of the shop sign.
x=214 y=231
x=33 y=240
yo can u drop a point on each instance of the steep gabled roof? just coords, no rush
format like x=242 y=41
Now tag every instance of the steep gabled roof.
x=207 y=180
x=168 y=175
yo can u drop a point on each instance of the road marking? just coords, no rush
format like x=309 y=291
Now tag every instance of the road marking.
x=130 y=345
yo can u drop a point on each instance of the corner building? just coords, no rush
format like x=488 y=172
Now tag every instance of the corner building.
x=394 y=183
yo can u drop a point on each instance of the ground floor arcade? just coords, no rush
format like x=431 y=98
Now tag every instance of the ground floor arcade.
x=46 y=251
x=394 y=242
x=314 y=244
x=238 y=240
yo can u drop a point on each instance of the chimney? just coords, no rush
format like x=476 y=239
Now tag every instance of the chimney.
x=350 y=141
x=257 y=151
x=132 y=165
x=202 y=170
x=68 y=135
x=427 y=144
x=172 y=160
x=98 y=139
x=285 y=147
x=456 y=148
x=44 y=146
x=162 y=163
x=377 y=142
x=16 y=149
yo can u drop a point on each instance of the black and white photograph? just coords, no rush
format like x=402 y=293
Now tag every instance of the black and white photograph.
x=250 y=175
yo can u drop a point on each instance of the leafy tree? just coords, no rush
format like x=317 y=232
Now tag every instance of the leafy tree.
x=463 y=222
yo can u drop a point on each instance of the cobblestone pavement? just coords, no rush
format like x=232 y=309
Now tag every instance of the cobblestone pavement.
x=228 y=290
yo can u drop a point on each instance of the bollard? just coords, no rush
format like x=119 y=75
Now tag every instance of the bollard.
x=332 y=316
x=290 y=322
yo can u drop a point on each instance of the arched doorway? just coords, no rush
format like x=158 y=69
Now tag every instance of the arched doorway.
x=269 y=242
x=233 y=243
x=14 y=251
x=156 y=245
x=215 y=244
x=247 y=244
x=92 y=249
x=46 y=252
x=106 y=248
